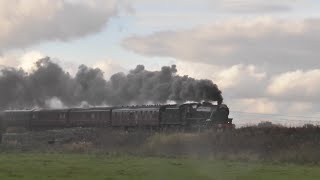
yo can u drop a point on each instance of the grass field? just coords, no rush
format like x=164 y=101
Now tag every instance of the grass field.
x=71 y=166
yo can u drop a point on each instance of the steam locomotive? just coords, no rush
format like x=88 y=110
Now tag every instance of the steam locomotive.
x=186 y=116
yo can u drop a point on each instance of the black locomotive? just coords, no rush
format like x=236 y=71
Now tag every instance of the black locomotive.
x=185 y=116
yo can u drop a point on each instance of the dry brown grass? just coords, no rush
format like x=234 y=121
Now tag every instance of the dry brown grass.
x=78 y=147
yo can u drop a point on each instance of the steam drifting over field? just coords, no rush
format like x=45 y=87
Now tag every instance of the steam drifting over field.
x=50 y=86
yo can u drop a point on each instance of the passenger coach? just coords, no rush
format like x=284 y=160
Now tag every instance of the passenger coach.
x=194 y=115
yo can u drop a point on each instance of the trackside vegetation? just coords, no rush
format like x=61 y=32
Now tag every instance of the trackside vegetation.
x=254 y=144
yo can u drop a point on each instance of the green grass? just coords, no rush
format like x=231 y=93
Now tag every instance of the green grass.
x=71 y=166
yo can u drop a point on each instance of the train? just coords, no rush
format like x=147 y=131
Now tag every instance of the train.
x=158 y=117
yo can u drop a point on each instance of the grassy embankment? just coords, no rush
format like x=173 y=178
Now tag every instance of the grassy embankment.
x=83 y=166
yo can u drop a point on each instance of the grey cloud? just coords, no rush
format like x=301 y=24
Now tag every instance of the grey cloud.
x=233 y=6
x=25 y=23
x=277 y=45
x=296 y=85
x=254 y=6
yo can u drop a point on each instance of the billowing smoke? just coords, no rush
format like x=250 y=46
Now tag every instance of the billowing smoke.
x=50 y=86
x=54 y=103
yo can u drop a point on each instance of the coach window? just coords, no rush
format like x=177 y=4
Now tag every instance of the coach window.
x=93 y=115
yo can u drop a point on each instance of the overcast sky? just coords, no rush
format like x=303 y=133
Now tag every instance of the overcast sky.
x=263 y=55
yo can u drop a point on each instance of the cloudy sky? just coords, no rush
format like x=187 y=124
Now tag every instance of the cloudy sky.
x=263 y=55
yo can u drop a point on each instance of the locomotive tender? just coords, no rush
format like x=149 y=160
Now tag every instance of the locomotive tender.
x=186 y=116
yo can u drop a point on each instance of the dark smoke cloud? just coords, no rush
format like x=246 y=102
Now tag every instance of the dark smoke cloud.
x=20 y=90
